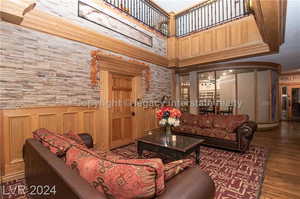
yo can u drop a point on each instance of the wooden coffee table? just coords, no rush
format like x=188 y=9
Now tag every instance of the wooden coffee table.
x=176 y=146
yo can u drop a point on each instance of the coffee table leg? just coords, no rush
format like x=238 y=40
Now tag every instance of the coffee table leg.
x=197 y=155
x=140 y=150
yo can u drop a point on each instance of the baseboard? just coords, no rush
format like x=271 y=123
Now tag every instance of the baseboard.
x=267 y=127
x=13 y=176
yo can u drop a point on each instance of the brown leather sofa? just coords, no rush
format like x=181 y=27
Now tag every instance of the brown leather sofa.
x=234 y=132
x=43 y=168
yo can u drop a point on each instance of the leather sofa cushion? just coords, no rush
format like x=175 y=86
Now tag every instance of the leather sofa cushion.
x=203 y=121
x=221 y=134
x=173 y=168
x=55 y=142
x=229 y=122
x=189 y=119
x=119 y=179
x=186 y=129
x=208 y=132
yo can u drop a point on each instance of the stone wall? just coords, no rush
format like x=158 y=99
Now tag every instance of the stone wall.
x=43 y=70
x=160 y=84
x=37 y=69
x=68 y=9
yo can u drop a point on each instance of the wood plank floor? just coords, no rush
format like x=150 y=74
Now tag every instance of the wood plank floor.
x=282 y=177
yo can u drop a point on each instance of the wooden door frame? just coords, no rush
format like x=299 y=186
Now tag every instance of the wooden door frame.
x=136 y=93
x=289 y=89
x=108 y=64
x=106 y=96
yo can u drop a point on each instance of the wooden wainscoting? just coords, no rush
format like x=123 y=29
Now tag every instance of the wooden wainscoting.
x=149 y=120
x=238 y=38
x=19 y=124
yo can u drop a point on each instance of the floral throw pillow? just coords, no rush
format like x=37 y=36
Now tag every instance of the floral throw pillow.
x=118 y=179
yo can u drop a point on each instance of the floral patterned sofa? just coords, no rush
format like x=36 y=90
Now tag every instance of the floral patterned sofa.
x=67 y=162
x=233 y=132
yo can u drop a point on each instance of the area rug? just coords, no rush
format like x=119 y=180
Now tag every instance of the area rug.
x=236 y=176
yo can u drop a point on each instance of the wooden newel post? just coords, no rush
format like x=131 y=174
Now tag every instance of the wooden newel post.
x=172 y=25
x=172 y=41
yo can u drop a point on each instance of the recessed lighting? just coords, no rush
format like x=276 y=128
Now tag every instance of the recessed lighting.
x=230 y=71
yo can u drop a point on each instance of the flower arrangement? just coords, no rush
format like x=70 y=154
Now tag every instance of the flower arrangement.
x=168 y=116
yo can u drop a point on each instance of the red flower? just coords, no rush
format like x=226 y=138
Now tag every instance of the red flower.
x=174 y=113
x=159 y=114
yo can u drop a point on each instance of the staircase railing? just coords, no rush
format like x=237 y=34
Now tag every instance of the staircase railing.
x=144 y=11
x=209 y=14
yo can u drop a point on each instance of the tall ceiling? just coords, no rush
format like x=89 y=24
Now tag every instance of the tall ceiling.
x=176 y=5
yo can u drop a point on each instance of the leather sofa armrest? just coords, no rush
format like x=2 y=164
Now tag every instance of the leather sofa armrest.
x=87 y=139
x=247 y=129
x=45 y=169
x=192 y=183
x=245 y=134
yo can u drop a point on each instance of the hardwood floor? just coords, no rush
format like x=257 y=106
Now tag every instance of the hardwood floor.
x=282 y=177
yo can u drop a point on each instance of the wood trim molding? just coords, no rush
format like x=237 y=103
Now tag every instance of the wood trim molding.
x=289 y=83
x=290 y=72
x=13 y=14
x=1 y=147
x=108 y=62
x=227 y=54
x=44 y=22
x=271 y=19
x=232 y=65
x=112 y=63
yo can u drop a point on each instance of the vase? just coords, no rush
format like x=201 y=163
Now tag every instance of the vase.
x=168 y=130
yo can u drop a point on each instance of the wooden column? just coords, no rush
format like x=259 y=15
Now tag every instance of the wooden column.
x=172 y=42
x=193 y=92
x=104 y=120
x=177 y=95
x=174 y=85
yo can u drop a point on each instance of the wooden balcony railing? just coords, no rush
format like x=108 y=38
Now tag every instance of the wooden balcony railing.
x=144 y=11
x=208 y=14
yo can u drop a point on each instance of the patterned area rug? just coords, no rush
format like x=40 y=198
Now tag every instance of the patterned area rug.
x=13 y=190
x=236 y=176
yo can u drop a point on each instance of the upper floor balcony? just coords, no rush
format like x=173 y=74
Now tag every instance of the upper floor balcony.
x=210 y=31
x=209 y=14
x=199 y=17
x=144 y=11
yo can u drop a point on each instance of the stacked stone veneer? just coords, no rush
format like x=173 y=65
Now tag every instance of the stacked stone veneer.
x=68 y=9
x=37 y=69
